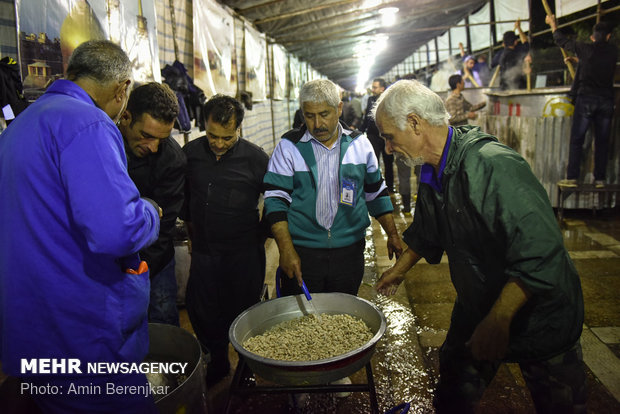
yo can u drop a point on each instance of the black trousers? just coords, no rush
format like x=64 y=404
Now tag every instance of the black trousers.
x=378 y=144
x=557 y=384
x=328 y=270
x=220 y=287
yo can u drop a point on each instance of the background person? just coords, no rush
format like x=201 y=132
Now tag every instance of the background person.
x=156 y=164
x=594 y=102
x=516 y=49
x=369 y=127
x=458 y=107
x=470 y=70
x=519 y=296
x=72 y=223
x=223 y=184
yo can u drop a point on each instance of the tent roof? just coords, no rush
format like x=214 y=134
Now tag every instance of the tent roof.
x=328 y=34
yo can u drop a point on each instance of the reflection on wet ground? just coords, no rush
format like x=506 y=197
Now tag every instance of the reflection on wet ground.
x=405 y=364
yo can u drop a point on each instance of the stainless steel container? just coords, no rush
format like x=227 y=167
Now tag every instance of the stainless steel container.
x=168 y=343
x=262 y=316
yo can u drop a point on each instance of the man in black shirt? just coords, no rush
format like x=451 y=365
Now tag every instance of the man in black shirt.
x=369 y=127
x=156 y=164
x=224 y=181
x=594 y=97
x=516 y=49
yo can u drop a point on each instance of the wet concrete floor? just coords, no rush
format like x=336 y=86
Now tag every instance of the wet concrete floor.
x=405 y=364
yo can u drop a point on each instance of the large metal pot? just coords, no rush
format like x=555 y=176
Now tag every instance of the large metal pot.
x=168 y=343
x=262 y=316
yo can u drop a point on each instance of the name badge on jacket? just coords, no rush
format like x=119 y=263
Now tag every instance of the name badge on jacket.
x=348 y=193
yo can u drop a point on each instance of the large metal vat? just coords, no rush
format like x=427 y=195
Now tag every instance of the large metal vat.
x=168 y=343
x=264 y=315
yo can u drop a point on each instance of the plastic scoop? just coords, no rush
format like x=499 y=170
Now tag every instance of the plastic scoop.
x=309 y=299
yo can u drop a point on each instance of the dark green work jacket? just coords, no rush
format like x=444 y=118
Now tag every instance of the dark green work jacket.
x=494 y=221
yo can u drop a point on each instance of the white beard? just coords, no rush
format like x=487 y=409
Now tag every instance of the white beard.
x=409 y=162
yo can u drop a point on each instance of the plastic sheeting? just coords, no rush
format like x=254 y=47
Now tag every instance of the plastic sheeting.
x=295 y=77
x=443 y=43
x=327 y=34
x=510 y=11
x=213 y=49
x=255 y=63
x=49 y=31
x=278 y=64
x=458 y=34
x=480 y=33
x=566 y=7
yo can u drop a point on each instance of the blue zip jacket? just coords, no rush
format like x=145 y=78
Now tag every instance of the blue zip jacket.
x=72 y=221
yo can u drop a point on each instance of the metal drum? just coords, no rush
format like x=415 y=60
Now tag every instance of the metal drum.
x=168 y=343
x=262 y=316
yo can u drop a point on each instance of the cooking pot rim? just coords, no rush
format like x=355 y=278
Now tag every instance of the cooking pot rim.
x=368 y=346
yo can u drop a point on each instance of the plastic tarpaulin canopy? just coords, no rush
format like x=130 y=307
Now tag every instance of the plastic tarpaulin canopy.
x=458 y=34
x=255 y=62
x=431 y=51
x=295 y=77
x=511 y=11
x=566 y=7
x=50 y=30
x=443 y=45
x=480 y=33
x=213 y=49
x=278 y=64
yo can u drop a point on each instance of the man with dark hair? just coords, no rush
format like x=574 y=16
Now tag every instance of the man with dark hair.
x=516 y=49
x=223 y=184
x=369 y=127
x=71 y=283
x=458 y=107
x=470 y=70
x=156 y=164
x=594 y=102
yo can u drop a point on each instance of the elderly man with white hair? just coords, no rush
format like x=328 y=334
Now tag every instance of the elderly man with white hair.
x=519 y=296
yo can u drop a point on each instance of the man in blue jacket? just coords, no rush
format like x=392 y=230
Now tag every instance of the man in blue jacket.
x=71 y=288
x=519 y=296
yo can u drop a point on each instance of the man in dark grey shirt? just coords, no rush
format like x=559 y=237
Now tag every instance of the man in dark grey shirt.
x=594 y=97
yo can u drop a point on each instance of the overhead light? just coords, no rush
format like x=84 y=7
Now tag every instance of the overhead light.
x=388 y=16
x=380 y=44
x=369 y=4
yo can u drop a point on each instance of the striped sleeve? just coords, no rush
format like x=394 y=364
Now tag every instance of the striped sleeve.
x=278 y=181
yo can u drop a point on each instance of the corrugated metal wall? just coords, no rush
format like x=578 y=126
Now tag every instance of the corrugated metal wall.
x=544 y=143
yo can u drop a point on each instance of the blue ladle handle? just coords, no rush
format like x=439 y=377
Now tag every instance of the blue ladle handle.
x=303 y=285
x=305 y=289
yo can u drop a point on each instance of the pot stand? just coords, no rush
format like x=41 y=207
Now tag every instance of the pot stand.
x=243 y=371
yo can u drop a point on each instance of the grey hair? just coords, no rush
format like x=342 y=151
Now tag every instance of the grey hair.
x=410 y=96
x=100 y=60
x=319 y=91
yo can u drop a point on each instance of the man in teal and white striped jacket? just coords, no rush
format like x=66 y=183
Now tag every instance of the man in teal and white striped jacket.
x=322 y=182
